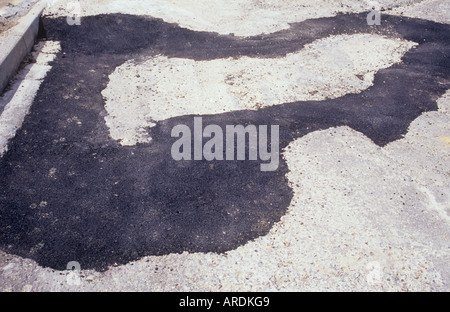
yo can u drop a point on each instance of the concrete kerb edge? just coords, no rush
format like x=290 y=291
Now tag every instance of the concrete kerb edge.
x=19 y=43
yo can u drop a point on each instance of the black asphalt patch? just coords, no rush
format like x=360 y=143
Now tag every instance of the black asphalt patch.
x=68 y=192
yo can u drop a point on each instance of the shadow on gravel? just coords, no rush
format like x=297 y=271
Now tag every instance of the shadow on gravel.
x=70 y=193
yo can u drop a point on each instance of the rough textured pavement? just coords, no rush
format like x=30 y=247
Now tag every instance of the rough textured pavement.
x=359 y=201
x=11 y=11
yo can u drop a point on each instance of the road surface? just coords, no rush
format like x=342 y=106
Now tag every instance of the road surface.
x=359 y=199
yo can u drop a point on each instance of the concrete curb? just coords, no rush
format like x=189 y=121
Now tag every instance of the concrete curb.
x=19 y=43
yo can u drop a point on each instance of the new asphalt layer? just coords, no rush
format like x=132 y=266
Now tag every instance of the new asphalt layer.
x=69 y=192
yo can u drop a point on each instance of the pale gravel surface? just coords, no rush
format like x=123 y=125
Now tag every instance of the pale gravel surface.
x=362 y=217
x=240 y=17
x=435 y=10
x=160 y=88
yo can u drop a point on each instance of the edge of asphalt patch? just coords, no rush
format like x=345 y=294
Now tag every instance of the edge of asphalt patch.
x=18 y=43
